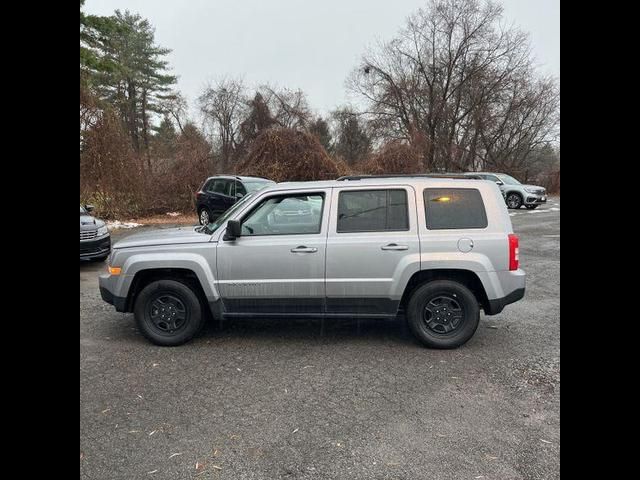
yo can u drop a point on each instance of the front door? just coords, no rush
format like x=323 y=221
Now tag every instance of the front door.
x=277 y=265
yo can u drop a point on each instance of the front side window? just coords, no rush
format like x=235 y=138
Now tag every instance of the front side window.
x=508 y=179
x=452 y=208
x=372 y=211
x=286 y=215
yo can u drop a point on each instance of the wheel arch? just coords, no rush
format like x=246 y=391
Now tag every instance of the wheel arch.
x=467 y=278
x=142 y=278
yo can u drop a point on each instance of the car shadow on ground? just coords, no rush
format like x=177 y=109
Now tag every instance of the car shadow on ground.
x=269 y=331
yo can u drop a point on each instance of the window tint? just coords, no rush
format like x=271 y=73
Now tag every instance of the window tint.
x=240 y=188
x=222 y=186
x=372 y=211
x=285 y=215
x=449 y=208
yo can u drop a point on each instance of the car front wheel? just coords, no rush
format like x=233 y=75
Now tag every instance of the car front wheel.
x=443 y=314
x=168 y=312
x=514 y=201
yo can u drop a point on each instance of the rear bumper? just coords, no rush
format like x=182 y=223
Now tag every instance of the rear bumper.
x=508 y=287
x=497 y=305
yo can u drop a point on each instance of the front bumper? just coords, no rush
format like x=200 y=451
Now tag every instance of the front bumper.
x=105 y=282
x=95 y=248
x=533 y=199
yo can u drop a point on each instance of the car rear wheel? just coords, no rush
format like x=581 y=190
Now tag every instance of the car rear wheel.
x=531 y=207
x=514 y=200
x=168 y=312
x=204 y=216
x=443 y=314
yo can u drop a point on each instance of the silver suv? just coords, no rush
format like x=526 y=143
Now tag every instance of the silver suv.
x=435 y=249
x=515 y=193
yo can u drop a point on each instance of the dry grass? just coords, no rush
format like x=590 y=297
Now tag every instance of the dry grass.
x=181 y=219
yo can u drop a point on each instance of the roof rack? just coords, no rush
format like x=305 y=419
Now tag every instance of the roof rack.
x=459 y=176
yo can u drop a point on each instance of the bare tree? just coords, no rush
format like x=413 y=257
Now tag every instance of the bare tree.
x=458 y=84
x=223 y=106
x=352 y=140
x=289 y=108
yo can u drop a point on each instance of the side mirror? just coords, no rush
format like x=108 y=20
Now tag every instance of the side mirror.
x=234 y=230
x=89 y=208
x=500 y=183
x=239 y=195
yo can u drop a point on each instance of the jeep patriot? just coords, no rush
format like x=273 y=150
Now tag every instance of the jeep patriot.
x=436 y=250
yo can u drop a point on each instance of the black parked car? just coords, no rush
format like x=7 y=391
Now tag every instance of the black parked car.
x=218 y=193
x=95 y=241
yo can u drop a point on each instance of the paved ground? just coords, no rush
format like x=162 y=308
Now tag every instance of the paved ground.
x=267 y=400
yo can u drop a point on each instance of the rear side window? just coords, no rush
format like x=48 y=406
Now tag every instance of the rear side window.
x=372 y=211
x=451 y=208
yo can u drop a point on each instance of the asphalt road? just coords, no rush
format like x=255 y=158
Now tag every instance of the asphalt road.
x=276 y=399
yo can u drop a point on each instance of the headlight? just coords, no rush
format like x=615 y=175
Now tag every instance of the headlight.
x=531 y=190
x=103 y=230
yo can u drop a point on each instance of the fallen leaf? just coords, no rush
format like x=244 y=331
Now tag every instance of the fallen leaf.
x=81 y=455
x=479 y=476
x=105 y=410
x=239 y=369
x=152 y=471
x=155 y=364
x=295 y=430
x=199 y=466
x=216 y=467
x=152 y=432
x=545 y=441
x=140 y=397
x=175 y=455
x=134 y=431
x=215 y=452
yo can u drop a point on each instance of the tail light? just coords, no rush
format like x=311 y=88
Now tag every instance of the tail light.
x=514 y=251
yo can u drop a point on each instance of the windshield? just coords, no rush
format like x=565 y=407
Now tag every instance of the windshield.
x=213 y=226
x=253 y=186
x=508 y=180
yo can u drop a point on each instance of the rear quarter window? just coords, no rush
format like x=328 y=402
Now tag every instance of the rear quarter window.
x=454 y=208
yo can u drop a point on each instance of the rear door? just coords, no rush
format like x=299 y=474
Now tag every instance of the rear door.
x=372 y=248
x=219 y=195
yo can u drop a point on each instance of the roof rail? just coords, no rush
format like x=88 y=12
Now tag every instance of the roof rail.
x=459 y=176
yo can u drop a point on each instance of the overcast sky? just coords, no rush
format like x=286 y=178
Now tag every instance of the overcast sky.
x=311 y=45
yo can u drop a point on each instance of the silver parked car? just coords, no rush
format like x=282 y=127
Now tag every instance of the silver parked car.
x=436 y=249
x=515 y=193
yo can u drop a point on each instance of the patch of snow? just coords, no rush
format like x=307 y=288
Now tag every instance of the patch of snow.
x=173 y=214
x=115 y=224
x=554 y=209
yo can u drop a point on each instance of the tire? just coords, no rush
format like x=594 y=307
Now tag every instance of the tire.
x=204 y=216
x=165 y=328
x=531 y=207
x=460 y=303
x=514 y=200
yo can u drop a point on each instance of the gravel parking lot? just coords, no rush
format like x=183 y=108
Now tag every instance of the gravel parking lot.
x=276 y=399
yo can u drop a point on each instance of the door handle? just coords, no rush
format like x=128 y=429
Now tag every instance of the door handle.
x=303 y=249
x=395 y=246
